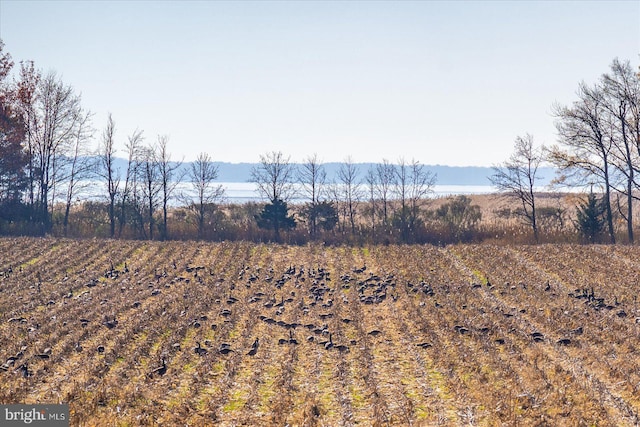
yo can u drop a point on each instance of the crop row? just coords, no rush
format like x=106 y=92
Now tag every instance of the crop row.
x=234 y=333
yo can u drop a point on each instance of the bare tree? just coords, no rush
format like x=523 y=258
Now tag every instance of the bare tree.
x=202 y=174
x=421 y=183
x=517 y=178
x=129 y=191
x=412 y=186
x=351 y=191
x=622 y=95
x=274 y=176
x=151 y=185
x=385 y=184
x=371 y=180
x=109 y=172
x=58 y=115
x=81 y=165
x=584 y=154
x=53 y=111
x=169 y=179
x=313 y=176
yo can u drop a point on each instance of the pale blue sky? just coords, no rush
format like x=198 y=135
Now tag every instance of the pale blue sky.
x=442 y=82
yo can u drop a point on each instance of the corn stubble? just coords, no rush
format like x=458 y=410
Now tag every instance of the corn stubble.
x=149 y=333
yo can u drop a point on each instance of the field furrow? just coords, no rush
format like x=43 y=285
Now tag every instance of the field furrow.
x=184 y=333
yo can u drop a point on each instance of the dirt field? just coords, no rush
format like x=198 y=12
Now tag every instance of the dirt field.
x=149 y=333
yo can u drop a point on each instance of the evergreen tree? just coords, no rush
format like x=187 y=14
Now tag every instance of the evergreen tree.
x=320 y=215
x=275 y=216
x=590 y=220
x=13 y=159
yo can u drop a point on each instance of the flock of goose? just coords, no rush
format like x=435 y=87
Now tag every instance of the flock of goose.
x=315 y=294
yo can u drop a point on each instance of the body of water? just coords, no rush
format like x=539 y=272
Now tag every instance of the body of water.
x=242 y=192
x=239 y=192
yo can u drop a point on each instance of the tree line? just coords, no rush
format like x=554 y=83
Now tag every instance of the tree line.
x=48 y=158
x=598 y=147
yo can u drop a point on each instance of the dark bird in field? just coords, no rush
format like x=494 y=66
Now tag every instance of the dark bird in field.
x=160 y=370
x=342 y=348
x=254 y=348
x=375 y=333
x=292 y=340
x=24 y=370
x=100 y=349
x=537 y=336
x=78 y=347
x=111 y=323
x=329 y=344
x=578 y=331
x=12 y=359
x=199 y=349
x=461 y=329
x=564 y=341
x=225 y=349
x=424 y=345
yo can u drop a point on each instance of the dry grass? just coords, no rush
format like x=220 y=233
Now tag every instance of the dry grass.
x=517 y=335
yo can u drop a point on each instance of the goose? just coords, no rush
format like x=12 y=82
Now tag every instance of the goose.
x=160 y=370
x=111 y=323
x=225 y=349
x=329 y=344
x=254 y=348
x=11 y=360
x=24 y=369
x=537 y=336
x=199 y=349
x=342 y=348
x=461 y=329
x=292 y=340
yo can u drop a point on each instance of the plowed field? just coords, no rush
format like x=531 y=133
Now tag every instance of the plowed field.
x=150 y=333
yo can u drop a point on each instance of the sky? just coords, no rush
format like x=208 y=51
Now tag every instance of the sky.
x=449 y=83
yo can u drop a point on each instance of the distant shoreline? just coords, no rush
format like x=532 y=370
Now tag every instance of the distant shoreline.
x=446 y=175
